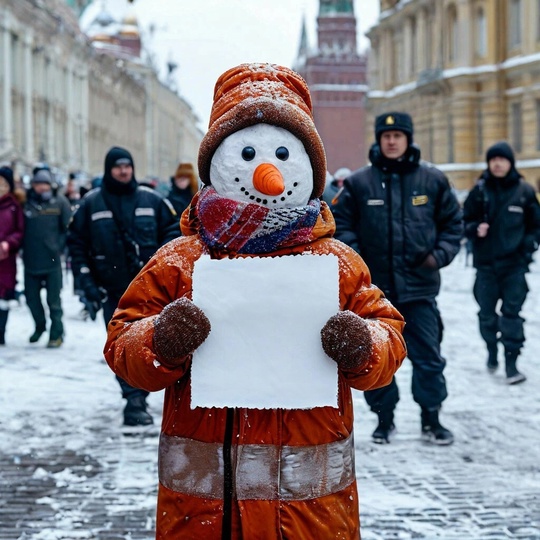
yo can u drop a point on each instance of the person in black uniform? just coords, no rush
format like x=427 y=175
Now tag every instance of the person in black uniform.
x=502 y=218
x=46 y=216
x=115 y=230
x=402 y=217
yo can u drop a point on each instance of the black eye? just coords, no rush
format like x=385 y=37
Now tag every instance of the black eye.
x=282 y=153
x=248 y=153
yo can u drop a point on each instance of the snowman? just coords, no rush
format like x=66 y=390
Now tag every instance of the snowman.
x=227 y=472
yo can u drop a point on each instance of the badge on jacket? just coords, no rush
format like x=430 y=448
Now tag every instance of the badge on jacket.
x=419 y=200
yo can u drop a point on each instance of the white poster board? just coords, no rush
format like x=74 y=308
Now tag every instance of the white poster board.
x=264 y=349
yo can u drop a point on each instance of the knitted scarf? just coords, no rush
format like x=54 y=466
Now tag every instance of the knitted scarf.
x=239 y=227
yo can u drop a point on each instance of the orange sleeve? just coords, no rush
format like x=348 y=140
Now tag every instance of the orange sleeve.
x=386 y=324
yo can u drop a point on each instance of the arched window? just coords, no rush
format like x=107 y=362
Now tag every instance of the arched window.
x=452 y=34
x=481 y=33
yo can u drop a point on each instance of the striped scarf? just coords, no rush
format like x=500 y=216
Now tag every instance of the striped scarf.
x=239 y=227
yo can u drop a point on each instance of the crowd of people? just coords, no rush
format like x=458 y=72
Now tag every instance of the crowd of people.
x=104 y=235
x=391 y=225
x=399 y=213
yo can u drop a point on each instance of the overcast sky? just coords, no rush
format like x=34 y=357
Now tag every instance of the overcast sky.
x=207 y=37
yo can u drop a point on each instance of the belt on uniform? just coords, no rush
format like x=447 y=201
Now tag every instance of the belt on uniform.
x=264 y=472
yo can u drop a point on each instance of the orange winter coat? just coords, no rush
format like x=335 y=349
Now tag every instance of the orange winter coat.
x=290 y=472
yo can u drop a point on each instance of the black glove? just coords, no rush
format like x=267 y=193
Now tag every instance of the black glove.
x=430 y=262
x=91 y=307
x=178 y=330
x=92 y=292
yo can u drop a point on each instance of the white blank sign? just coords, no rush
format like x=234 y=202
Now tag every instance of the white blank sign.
x=264 y=350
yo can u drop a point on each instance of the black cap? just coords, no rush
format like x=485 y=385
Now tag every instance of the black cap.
x=117 y=156
x=501 y=149
x=7 y=173
x=394 y=121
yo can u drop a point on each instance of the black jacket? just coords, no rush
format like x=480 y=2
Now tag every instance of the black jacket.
x=395 y=214
x=45 y=232
x=95 y=240
x=511 y=208
x=179 y=198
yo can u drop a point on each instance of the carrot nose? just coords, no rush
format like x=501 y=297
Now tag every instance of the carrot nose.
x=268 y=180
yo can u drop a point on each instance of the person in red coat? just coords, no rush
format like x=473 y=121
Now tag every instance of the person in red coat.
x=11 y=235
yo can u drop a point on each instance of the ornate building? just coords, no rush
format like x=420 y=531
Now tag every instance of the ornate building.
x=336 y=76
x=65 y=102
x=469 y=73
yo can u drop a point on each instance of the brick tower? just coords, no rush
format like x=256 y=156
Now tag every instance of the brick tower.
x=336 y=75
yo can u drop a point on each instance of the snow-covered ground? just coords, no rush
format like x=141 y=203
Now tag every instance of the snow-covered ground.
x=67 y=471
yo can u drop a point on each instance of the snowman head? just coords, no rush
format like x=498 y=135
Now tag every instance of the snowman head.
x=260 y=113
x=263 y=164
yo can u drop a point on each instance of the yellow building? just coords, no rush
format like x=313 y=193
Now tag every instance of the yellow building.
x=468 y=71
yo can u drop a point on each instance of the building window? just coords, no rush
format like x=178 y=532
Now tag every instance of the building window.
x=428 y=39
x=537 y=104
x=412 y=46
x=479 y=130
x=481 y=33
x=452 y=38
x=537 y=20
x=517 y=127
x=450 y=135
x=514 y=24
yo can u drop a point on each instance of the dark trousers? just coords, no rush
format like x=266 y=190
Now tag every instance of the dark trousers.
x=109 y=306
x=510 y=287
x=52 y=282
x=423 y=335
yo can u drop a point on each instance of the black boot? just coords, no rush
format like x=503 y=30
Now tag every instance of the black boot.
x=135 y=412
x=513 y=376
x=38 y=332
x=492 y=362
x=432 y=430
x=385 y=428
x=3 y=322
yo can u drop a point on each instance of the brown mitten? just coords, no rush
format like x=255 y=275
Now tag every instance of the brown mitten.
x=178 y=330
x=347 y=340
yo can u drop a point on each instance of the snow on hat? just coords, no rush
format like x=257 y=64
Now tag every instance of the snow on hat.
x=501 y=149
x=42 y=176
x=252 y=94
x=7 y=174
x=394 y=121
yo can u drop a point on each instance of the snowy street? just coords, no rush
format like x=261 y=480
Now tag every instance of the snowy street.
x=67 y=471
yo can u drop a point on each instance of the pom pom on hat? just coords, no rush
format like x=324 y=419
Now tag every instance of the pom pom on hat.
x=7 y=174
x=252 y=94
x=394 y=121
x=501 y=149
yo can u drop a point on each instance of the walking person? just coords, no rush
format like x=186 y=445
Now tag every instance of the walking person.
x=183 y=187
x=402 y=217
x=332 y=188
x=11 y=235
x=502 y=219
x=47 y=214
x=115 y=230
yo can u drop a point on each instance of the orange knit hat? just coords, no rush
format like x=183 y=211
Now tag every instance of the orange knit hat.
x=252 y=94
